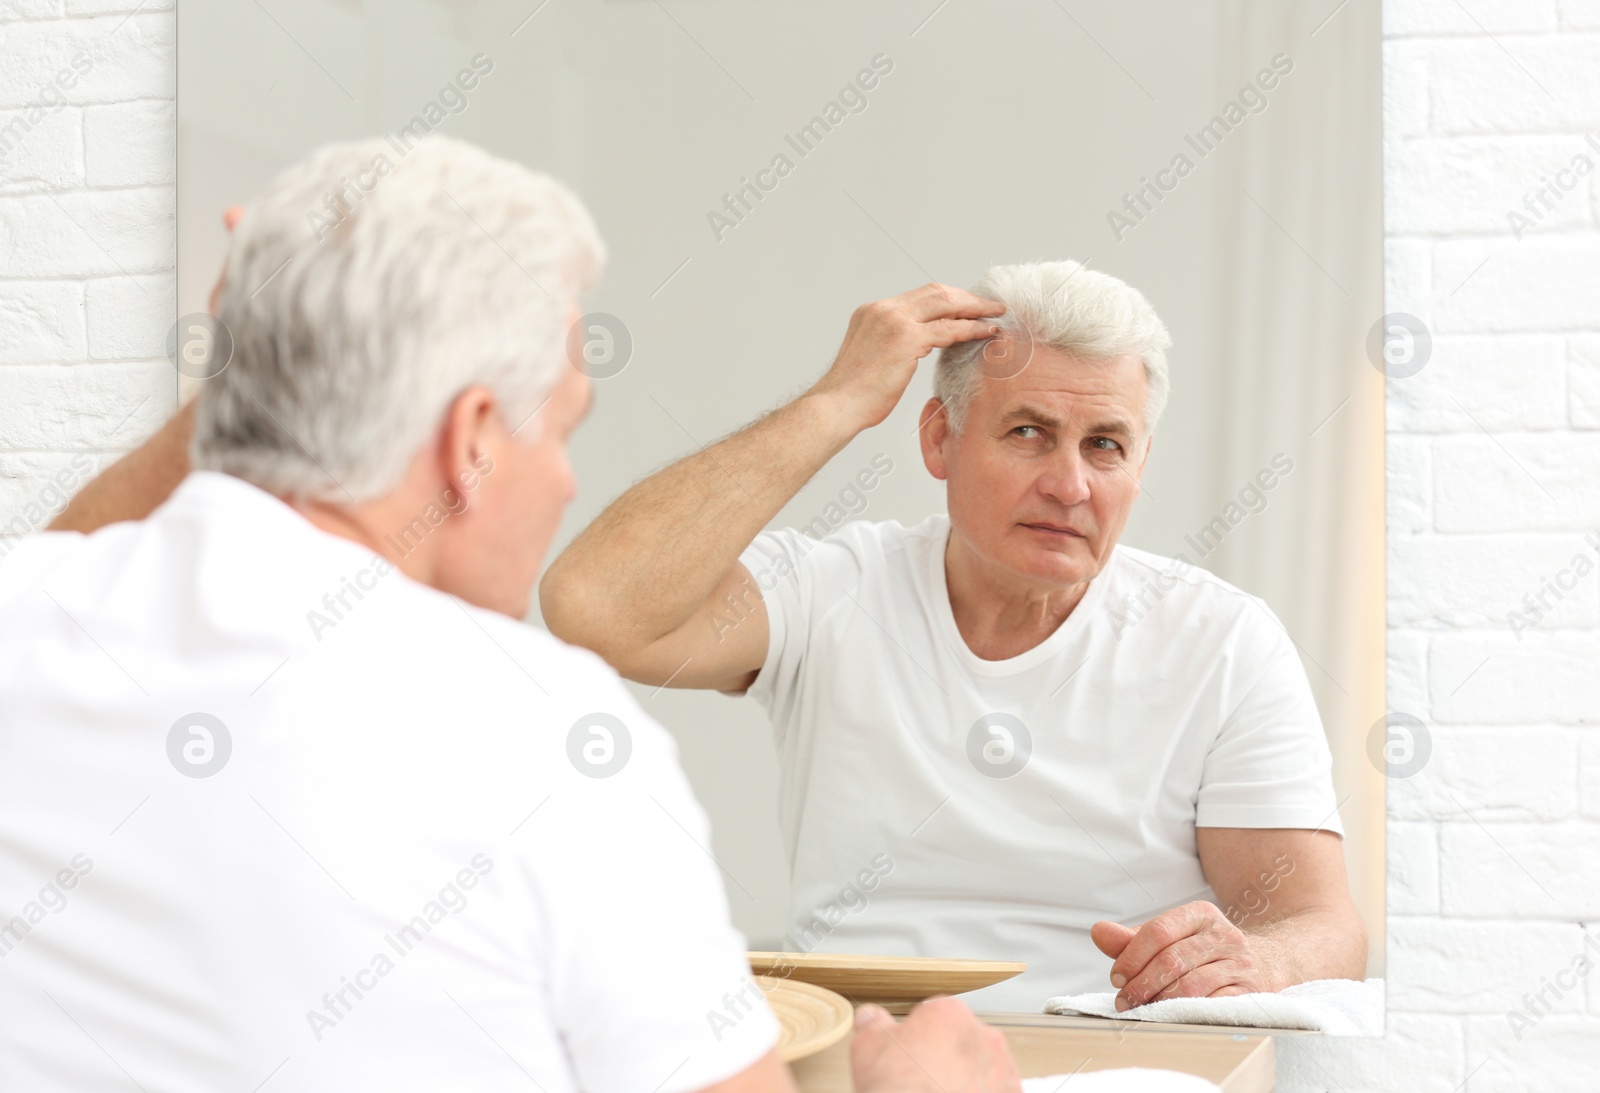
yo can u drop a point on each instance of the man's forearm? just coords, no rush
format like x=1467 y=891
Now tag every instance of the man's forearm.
x=654 y=555
x=135 y=484
x=1312 y=944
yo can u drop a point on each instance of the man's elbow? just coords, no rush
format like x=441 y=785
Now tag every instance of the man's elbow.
x=1346 y=944
x=561 y=606
x=577 y=616
x=1358 y=945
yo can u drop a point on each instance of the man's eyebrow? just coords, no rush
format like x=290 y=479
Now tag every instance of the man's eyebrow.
x=1113 y=426
x=1029 y=412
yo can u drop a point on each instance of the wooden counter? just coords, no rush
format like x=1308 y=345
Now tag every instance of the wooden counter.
x=1240 y=1060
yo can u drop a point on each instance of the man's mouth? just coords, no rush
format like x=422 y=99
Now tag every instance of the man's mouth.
x=1061 y=530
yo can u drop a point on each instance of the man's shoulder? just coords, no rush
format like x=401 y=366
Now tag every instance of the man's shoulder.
x=879 y=537
x=854 y=546
x=36 y=550
x=1174 y=572
x=25 y=562
x=1179 y=590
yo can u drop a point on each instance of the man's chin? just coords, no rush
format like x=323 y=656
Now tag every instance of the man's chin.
x=1064 y=562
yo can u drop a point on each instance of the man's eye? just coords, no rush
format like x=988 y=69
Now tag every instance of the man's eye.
x=1019 y=429
x=1114 y=446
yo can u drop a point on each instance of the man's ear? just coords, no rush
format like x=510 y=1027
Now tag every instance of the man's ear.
x=470 y=438
x=931 y=435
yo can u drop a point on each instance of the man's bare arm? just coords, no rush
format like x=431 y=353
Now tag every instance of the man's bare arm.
x=1286 y=917
x=135 y=484
x=644 y=584
x=639 y=585
x=1286 y=888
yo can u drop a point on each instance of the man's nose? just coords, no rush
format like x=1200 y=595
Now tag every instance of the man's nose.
x=1066 y=479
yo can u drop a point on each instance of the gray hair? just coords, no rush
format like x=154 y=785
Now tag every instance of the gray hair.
x=1068 y=307
x=365 y=289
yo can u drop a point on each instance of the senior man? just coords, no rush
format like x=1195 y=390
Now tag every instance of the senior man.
x=289 y=799
x=1061 y=744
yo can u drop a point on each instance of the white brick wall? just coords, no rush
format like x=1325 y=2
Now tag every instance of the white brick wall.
x=1493 y=470
x=1494 y=482
x=87 y=236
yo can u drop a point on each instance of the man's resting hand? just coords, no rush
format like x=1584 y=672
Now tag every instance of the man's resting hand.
x=1191 y=951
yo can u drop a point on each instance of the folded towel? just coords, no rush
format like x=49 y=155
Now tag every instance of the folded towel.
x=1122 y=1079
x=1338 y=1007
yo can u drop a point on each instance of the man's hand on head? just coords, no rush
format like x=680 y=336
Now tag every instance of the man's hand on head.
x=886 y=339
x=940 y=1047
x=1191 y=951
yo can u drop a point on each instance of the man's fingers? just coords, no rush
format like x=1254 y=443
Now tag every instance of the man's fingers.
x=1189 y=969
x=872 y=1032
x=871 y=1017
x=1165 y=929
x=1111 y=937
x=1212 y=980
x=940 y=1047
x=943 y=332
x=937 y=301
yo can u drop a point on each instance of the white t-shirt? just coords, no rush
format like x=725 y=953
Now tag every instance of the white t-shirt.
x=407 y=868
x=938 y=804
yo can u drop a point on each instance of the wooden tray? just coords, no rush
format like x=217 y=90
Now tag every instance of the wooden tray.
x=895 y=982
x=1044 y=1044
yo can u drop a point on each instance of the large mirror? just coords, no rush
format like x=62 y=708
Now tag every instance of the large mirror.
x=761 y=170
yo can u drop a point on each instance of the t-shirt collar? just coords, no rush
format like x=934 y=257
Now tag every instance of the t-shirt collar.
x=1073 y=625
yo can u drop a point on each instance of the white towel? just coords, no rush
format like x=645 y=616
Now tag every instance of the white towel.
x=1338 y=1007
x=1122 y=1079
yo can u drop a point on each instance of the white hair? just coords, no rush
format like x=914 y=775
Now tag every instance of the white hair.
x=1068 y=307
x=365 y=289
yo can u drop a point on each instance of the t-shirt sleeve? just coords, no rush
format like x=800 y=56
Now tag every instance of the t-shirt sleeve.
x=800 y=578
x=1270 y=765
x=648 y=978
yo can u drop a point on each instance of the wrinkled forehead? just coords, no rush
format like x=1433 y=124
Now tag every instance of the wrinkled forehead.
x=1093 y=395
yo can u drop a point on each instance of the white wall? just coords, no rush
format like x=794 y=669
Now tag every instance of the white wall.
x=86 y=239
x=1494 y=848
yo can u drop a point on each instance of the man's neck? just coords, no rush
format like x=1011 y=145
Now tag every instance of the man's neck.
x=370 y=525
x=1001 y=615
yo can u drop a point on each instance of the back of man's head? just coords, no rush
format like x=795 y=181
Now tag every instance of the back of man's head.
x=365 y=288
